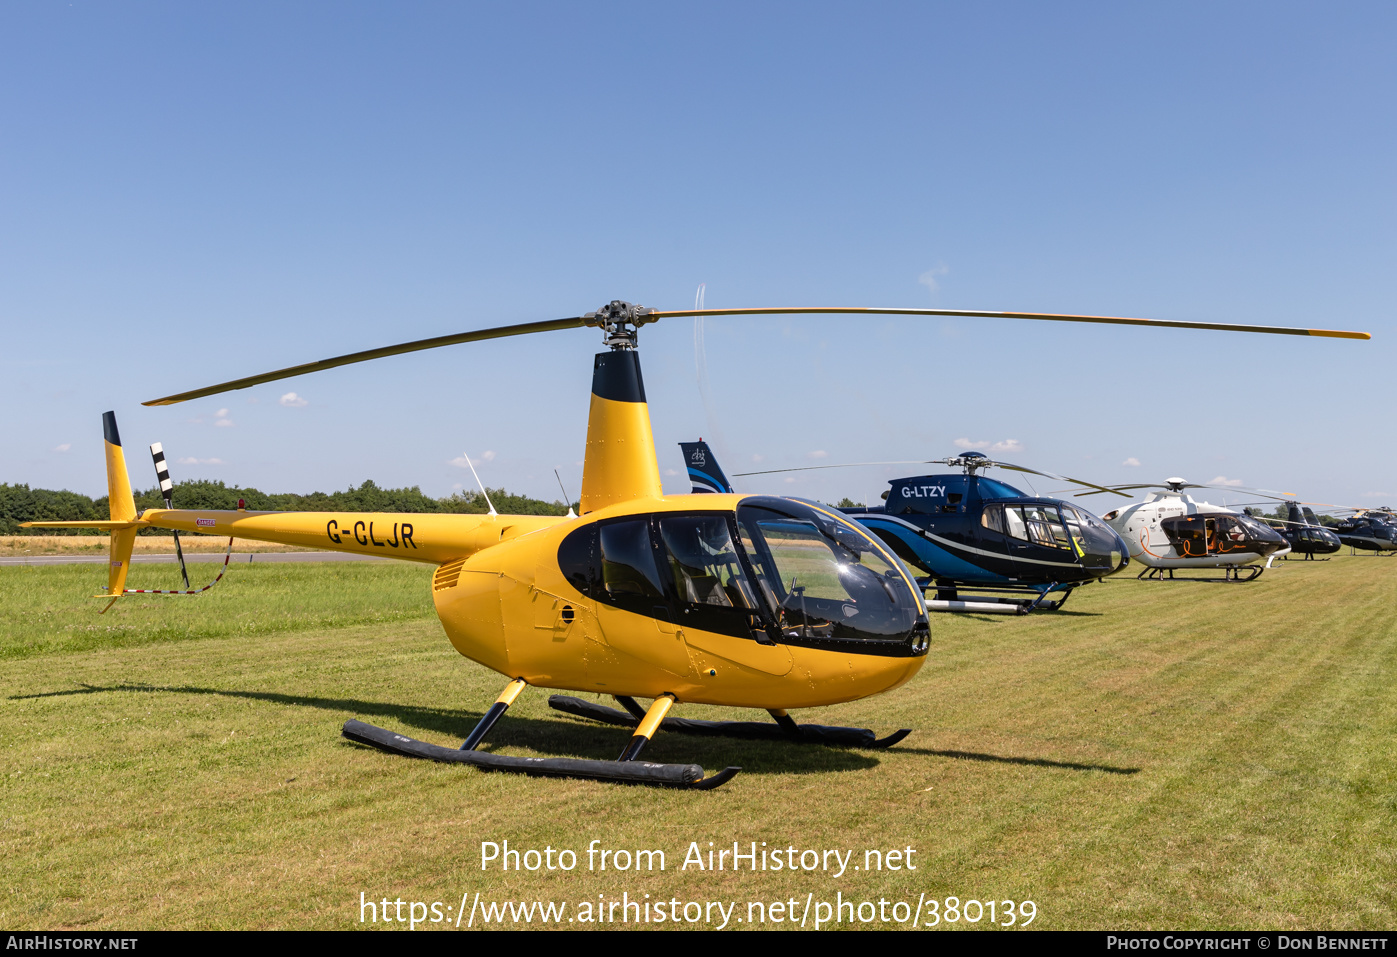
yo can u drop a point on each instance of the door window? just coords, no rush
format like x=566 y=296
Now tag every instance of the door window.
x=1045 y=528
x=706 y=574
x=993 y=518
x=628 y=562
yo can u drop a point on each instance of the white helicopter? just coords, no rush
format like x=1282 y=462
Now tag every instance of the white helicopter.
x=1171 y=530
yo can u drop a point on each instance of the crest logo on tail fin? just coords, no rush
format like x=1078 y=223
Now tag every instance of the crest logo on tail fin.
x=704 y=471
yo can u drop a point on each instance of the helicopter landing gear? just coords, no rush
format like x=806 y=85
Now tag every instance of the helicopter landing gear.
x=785 y=728
x=948 y=599
x=1231 y=573
x=1040 y=603
x=624 y=770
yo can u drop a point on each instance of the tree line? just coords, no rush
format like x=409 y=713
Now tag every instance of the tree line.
x=20 y=503
x=1329 y=521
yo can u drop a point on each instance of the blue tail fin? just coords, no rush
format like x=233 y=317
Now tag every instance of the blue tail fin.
x=704 y=470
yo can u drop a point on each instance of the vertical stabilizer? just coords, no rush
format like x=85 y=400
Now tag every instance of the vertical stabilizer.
x=122 y=506
x=620 y=464
x=704 y=471
x=121 y=502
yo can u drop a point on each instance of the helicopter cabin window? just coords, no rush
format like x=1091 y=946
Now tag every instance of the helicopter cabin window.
x=1188 y=534
x=1077 y=539
x=1230 y=534
x=703 y=563
x=579 y=562
x=628 y=568
x=707 y=576
x=1038 y=524
x=1014 y=523
x=1045 y=527
x=993 y=518
x=693 y=560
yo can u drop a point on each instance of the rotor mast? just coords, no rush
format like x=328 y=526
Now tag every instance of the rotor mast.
x=620 y=464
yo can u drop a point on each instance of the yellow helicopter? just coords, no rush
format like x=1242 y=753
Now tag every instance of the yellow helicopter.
x=735 y=600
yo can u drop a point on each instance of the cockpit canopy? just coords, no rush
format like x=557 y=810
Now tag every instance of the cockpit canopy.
x=774 y=570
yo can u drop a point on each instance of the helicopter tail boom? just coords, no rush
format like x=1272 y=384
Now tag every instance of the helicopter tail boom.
x=429 y=538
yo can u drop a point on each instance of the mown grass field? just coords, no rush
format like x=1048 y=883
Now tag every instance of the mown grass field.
x=1156 y=755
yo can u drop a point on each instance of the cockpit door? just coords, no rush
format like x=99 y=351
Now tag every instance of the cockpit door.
x=716 y=602
x=1039 y=541
x=994 y=535
x=631 y=579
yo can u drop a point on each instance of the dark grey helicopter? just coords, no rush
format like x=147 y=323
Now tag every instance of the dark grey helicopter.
x=1306 y=535
x=1372 y=530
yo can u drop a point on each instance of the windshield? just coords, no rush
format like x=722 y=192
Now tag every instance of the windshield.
x=823 y=578
x=1253 y=529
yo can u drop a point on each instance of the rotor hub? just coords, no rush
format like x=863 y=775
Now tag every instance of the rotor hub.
x=970 y=461
x=619 y=320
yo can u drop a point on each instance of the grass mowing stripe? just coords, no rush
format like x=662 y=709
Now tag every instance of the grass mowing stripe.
x=48 y=611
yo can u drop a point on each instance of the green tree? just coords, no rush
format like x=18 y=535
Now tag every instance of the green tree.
x=20 y=503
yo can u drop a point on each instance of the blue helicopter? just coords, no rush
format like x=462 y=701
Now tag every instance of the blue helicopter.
x=970 y=530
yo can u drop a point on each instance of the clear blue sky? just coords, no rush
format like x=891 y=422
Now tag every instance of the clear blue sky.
x=193 y=192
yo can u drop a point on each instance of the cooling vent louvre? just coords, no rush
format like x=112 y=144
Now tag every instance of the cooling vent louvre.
x=447 y=575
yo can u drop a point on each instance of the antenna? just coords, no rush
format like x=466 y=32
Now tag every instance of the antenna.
x=467 y=457
x=571 y=513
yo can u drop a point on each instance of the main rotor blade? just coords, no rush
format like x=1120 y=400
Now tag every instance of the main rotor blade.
x=498 y=332
x=650 y=315
x=1120 y=487
x=1062 y=478
x=842 y=465
x=985 y=314
x=1283 y=521
x=1005 y=465
x=1263 y=492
